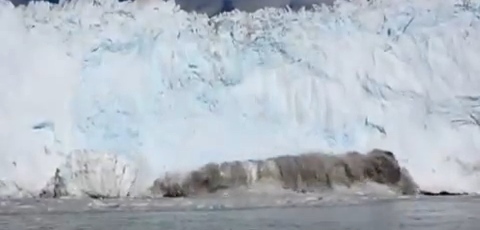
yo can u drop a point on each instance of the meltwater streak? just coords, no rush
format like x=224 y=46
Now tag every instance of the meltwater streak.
x=180 y=90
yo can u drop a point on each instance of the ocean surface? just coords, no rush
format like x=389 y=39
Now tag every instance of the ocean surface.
x=437 y=213
x=149 y=89
x=113 y=95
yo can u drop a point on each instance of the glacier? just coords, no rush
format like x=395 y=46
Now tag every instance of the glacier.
x=170 y=90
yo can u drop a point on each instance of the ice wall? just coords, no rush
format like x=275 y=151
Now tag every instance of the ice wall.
x=183 y=90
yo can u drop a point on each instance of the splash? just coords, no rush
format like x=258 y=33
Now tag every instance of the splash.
x=308 y=172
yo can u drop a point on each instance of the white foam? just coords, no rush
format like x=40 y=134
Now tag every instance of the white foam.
x=95 y=173
x=183 y=90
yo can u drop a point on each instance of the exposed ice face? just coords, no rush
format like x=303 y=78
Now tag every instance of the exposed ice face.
x=183 y=90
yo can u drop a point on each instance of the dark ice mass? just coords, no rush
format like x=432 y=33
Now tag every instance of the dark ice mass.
x=214 y=7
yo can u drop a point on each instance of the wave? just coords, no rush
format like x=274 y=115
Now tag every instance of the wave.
x=83 y=173
x=104 y=175
x=308 y=172
x=179 y=90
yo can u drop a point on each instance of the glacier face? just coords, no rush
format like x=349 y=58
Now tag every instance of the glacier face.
x=182 y=90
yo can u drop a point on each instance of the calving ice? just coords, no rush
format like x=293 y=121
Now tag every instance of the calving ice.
x=144 y=89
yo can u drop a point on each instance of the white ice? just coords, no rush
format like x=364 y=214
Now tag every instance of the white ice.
x=145 y=80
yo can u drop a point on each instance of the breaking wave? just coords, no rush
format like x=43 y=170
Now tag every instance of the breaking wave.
x=308 y=172
x=115 y=95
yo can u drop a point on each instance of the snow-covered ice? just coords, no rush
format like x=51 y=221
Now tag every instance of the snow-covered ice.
x=148 y=81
